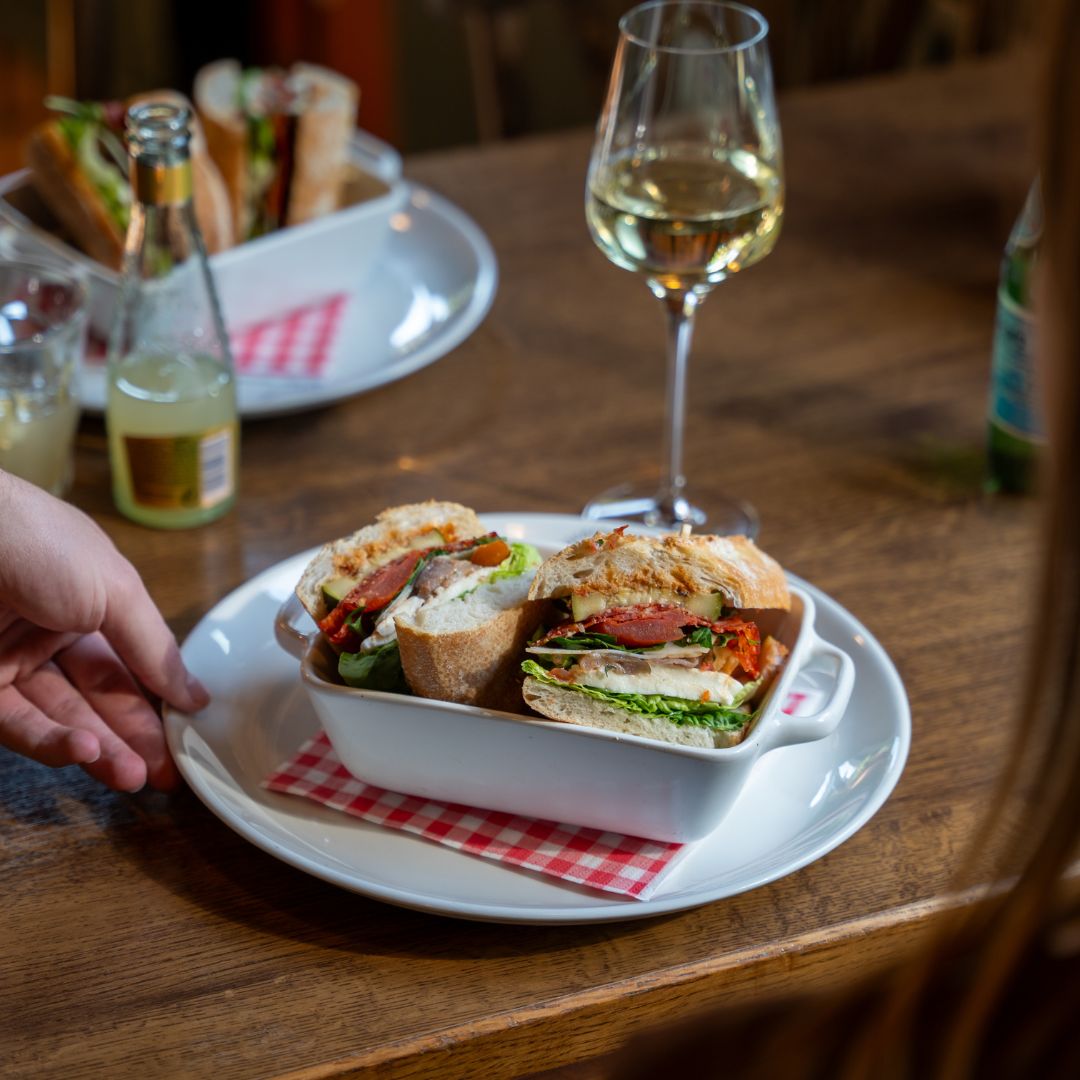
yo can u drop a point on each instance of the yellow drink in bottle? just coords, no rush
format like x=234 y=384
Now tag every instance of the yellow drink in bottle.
x=171 y=407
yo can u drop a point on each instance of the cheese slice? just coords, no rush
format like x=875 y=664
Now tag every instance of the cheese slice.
x=665 y=679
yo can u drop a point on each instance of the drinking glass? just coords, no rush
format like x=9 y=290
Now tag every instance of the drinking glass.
x=42 y=336
x=685 y=187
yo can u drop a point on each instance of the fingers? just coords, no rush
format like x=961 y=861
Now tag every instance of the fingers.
x=107 y=687
x=117 y=765
x=136 y=630
x=24 y=647
x=26 y=730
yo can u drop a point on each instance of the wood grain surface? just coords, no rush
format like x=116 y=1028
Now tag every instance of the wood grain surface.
x=840 y=386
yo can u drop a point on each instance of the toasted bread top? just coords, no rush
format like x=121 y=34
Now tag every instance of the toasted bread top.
x=389 y=536
x=617 y=562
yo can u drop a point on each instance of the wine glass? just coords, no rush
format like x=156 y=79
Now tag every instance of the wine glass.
x=685 y=187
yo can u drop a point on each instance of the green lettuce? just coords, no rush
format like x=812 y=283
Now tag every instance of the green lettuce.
x=681 y=711
x=522 y=557
x=379 y=669
x=700 y=635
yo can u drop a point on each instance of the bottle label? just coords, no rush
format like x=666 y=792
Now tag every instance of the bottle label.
x=182 y=472
x=1014 y=391
x=161 y=184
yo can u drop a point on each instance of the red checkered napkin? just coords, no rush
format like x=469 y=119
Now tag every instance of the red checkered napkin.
x=629 y=865
x=601 y=860
x=297 y=344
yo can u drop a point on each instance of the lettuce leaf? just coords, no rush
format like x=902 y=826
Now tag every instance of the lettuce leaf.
x=680 y=711
x=589 y=639
x=522 y=557
x=379 y=669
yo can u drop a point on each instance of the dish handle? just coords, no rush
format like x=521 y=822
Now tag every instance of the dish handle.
x=790 y=728
x=289 y=636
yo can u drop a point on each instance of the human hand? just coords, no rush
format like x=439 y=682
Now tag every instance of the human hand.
x=79 y=640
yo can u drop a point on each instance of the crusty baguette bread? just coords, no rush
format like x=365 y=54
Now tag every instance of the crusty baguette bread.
x=214 y=94
x=322 y=138
x=71 y=196
x=615 y=562
x=322 y=143
x=213 y=208
x=375 y=544
x=469 y=650
x=572 y=707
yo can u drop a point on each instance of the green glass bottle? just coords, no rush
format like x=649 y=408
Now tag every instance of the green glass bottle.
x=1016 y=429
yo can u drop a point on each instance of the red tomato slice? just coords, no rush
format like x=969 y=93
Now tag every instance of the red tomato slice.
x=647 y=630
x=373 y=593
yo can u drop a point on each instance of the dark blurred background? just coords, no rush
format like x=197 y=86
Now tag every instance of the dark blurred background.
x=437 y=73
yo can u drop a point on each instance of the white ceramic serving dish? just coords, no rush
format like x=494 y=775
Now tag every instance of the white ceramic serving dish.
x=540 y=768
x=257 y=280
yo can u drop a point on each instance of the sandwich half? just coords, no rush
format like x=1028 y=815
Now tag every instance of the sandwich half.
x=656 y=636
x=280 y=139
x=424 y=600
x=79 y=166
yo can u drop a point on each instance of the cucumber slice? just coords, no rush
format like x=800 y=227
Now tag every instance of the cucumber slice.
x=707 y=605
x=336 y=589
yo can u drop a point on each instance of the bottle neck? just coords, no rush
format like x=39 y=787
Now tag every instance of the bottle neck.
x=158 y=183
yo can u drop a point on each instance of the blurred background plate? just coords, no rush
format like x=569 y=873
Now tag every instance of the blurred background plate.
x=433 y=287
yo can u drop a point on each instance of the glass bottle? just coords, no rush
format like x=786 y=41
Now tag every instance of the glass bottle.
x=1016 y=431
x=171 y=404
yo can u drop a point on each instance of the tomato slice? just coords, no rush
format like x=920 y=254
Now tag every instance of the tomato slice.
x=373 y=593
x=644 y=630
x=655 y=624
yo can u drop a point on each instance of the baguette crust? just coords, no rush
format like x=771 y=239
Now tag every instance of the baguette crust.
x=322 y=143
x=214 y=93
x=387 y=537
x=71 y=197
x=614 y=562
x=571 y=707
x=476 y=665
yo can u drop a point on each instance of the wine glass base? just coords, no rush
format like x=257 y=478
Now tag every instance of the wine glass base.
x=725 y=517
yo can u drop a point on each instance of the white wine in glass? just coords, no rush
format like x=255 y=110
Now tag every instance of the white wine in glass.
x=685 y=187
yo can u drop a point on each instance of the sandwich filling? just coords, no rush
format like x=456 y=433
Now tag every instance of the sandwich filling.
x=660 y=660
x=93 y=132
x=361 y=626
x=271 y=103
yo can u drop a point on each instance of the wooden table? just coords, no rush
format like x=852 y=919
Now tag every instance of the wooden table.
x=840 y=386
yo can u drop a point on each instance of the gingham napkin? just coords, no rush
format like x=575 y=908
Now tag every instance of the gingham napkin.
x=629 y=865
x=297 y=344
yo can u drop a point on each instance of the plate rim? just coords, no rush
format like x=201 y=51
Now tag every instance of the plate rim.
x=440 y=343
x=177 y=725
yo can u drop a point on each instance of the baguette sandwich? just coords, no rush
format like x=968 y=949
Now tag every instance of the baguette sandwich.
x=279 y=138
x=657 y=636
x=79 y=167
x=425 y=600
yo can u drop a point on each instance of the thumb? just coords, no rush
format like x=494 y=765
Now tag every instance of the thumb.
x=136 y=630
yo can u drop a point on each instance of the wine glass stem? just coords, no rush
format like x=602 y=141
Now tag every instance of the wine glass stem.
x=680 y=305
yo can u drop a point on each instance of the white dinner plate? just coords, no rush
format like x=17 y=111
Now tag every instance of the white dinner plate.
x=799 y=803
x=434 y=284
